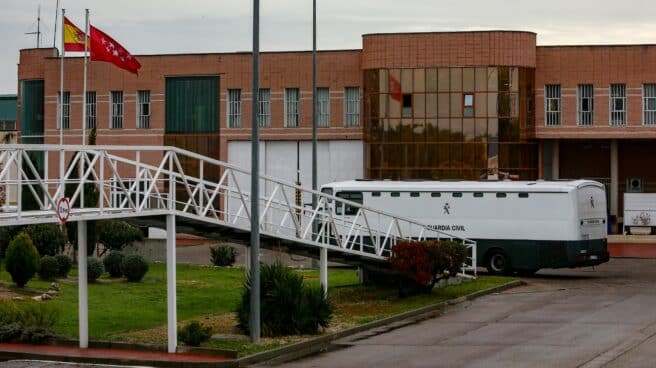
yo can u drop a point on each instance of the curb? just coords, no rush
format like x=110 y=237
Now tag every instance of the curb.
x=326 y=342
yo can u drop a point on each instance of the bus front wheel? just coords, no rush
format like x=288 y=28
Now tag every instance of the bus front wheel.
x=498 y=263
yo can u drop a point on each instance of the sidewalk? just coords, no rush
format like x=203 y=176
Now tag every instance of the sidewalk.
x=632 y=246
x=9 y=351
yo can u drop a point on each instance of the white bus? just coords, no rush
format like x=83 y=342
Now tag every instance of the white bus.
x=518 y=226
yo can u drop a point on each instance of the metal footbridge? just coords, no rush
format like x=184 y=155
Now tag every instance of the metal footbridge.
x=131 y=187
x=182 y=191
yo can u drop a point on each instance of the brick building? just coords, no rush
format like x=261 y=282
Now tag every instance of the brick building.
x=470 y=105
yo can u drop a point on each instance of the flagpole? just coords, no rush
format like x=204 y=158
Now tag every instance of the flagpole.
x=60 y=101
x=84 y=83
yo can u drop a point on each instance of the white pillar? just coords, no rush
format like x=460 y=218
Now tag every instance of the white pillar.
x=171 y=298
x=614 y=179
x=555 y=160
x=323 y=269
x=82 y=287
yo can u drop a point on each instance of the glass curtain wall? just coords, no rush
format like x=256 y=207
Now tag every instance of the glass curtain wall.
x=449 y=123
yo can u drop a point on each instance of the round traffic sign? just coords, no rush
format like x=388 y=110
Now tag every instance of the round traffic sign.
x=63 y=209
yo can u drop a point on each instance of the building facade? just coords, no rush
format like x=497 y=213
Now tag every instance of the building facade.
x=455 y=105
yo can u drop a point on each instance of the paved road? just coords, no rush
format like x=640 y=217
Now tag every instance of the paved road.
x=568 y=318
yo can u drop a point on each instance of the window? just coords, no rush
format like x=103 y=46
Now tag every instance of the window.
x=617 y=104
x=91 y=109
x=323 y=107
x=292 y=107
x=436 y=195
x=375 y=194
x=523 y=195
x=585 y=104
x=352 y=107
x=143 y=110
x=396 y=194
x=468 y=105
x=348 y=210
x=552 y=104
x=501 y=195
x=406 y=112
x=649 y=104
x=116 y=110
x=478 y=195
x=457 y=195
x=414 y=194
x=65 y=109
x=264 y=116
x=234 y=108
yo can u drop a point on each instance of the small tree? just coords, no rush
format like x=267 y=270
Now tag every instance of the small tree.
x=48 y=239
x=116 y=234
x=22 y=259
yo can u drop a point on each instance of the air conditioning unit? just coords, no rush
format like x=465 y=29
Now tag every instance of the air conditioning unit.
x=635 y=185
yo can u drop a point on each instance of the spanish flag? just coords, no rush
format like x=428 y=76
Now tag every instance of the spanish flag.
x=73 y=37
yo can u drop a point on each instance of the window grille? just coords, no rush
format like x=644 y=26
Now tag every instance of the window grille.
x=617 y=104
x=65 y=109
x=585 y=104
x=91 y=109
x=649 y=104
x=234 y=108
x=552 y=104
x=323 y=107
x=352 y=107
x=292 y=107
x=143 y=118
x=116 y=111
x=264 y=101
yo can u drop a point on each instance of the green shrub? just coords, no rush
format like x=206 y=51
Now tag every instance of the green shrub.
x=134 y=267
x=49 y=268
x=27 y=322
x=287 y=306
x=116 y=234
x=65 y=264
x=48 y=239
x=194 y=334
x=21 y=259
x=113 y=262
x=223 y=255
x=95 y=269
x=447 y=256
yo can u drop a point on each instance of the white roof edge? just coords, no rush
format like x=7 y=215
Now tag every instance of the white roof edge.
x=527 y=186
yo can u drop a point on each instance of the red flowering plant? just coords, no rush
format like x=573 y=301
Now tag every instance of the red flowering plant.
x=424 y=263
x=412 y=260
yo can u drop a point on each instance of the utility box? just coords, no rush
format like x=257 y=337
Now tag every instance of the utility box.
x=640 y=211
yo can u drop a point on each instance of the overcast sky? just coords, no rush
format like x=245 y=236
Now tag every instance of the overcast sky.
x=174 y=26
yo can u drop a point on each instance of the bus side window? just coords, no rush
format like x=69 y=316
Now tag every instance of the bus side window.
x=435 y=195
x=478 y=195
x=396 y=194
x=349 y=196
x=501 y=195
x=523 y=195
x=457 y=195
x=414 y=194
x=375 y=194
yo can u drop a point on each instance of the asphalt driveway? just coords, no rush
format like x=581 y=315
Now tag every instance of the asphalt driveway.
x=603 y=317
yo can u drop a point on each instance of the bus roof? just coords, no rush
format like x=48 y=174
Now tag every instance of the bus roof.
x=560 y=186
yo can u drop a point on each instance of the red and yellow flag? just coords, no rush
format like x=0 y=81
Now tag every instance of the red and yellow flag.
x=73 y=37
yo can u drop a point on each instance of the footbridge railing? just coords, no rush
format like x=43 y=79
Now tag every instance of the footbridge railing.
x=124 y=181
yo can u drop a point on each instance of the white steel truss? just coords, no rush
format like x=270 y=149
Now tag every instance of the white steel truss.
x=130 y=187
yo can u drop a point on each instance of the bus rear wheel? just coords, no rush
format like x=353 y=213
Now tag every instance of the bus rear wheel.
x=498 y=263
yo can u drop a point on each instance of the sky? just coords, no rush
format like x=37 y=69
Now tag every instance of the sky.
x=191 y=26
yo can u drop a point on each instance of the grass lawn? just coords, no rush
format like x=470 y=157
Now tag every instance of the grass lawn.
x=124 y=311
